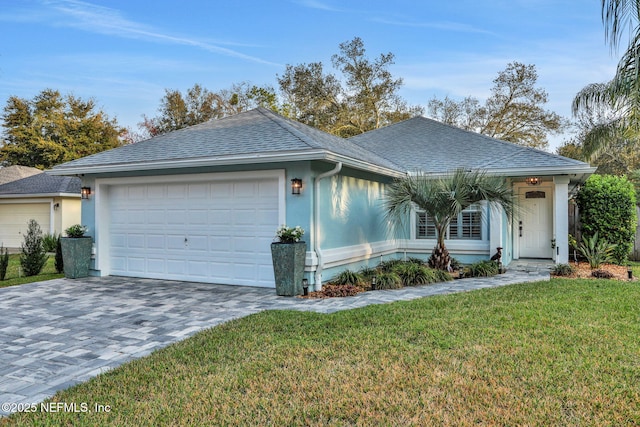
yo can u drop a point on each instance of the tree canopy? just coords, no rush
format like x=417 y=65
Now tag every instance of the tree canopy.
x=514 y=112
x=363 y=97
x=51 y=129
x=178 y=110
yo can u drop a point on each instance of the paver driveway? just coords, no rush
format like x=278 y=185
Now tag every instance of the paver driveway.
x=61 y=332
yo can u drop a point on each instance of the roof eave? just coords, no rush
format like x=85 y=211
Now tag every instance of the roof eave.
x=577 y=170
x=38 y=195
x=226 y=161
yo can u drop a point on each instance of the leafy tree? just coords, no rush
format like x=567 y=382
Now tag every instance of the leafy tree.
x=178 y=111
x=51 y=129
x=372 y=92
x=198 y=105
x=514 y=112
x=33 y=255
x=312 y=96
x=619 y=156
x=443 y=199
x=368 y=101
x=607 y=206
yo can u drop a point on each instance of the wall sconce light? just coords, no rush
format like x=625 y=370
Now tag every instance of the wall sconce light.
x=533 y=180
x=56 y=206
x=296 y=185
x=305 y=287
x=85 y=192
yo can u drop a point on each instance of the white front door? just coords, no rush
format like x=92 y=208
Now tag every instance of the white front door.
x=535 y=227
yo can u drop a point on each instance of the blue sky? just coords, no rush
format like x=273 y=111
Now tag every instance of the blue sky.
x=124 y=54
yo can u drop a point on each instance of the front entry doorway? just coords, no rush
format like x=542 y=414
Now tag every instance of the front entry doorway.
x=534 y=226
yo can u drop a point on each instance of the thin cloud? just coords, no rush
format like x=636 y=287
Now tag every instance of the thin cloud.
x=314 y=4
x=103 y=20
x=444 y=25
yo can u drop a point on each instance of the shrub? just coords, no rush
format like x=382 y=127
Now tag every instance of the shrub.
x=347 y=277
x=388 y=280
x=484 y=268
x=562 y=270
x=49 y=242
x=415 y=260
x=442 y=276
x=608 y=207
x=76 y=230
x=596 y=251
x=412 y=274
x=59 y=260
x=4 y=262
x=33 y=255
x=387 y=266
x=367 y=273
x=602 y=274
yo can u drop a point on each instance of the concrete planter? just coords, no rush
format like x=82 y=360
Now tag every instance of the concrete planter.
x=288 y=267
x=76 y=256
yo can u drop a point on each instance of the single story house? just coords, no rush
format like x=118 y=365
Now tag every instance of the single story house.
x=203 y=203
x=28 y=193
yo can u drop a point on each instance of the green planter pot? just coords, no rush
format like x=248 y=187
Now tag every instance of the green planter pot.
x=288 y=267
x=76 y=256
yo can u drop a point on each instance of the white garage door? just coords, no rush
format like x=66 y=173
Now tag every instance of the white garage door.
x=14 y=218
x=215 y=232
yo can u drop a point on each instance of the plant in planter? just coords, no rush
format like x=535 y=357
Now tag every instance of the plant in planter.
x=76 y=252
x=288 y=255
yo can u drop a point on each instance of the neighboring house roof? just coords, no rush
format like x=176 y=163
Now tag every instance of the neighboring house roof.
x=41 y=184
x=262 y=136
x=15 y=172
x=425 y=145
x=255 y=136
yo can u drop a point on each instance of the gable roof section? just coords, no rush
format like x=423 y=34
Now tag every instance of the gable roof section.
x=425 y=145
x=255 y=136
x=41 y=184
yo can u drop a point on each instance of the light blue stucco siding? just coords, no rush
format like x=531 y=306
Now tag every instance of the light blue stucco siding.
x=353 y=231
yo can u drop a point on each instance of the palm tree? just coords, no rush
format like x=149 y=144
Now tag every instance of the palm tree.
x=443 y=198
x=622 y=93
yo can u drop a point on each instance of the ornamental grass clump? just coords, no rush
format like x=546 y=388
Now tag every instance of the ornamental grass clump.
x=286 y=234
x=483 y=269
x=348 y=277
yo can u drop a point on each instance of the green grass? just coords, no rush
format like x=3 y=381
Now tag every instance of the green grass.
x=15 y=277
x=563 y=352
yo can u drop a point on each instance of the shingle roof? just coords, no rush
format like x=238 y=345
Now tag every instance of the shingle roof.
x=258 y=131
x=15 y=172
x=421 y=144
x=260 y=135
x=42 y=183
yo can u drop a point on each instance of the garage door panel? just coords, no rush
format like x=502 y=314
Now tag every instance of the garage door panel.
x=14 y=218
x=228 y=227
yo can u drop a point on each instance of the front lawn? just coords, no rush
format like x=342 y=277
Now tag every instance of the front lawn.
x=16 y=277
x=563 y=352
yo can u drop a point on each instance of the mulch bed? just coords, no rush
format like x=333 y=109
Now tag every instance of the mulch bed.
x=583 y=271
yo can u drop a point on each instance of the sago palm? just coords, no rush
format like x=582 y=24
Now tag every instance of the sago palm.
x=443 y=198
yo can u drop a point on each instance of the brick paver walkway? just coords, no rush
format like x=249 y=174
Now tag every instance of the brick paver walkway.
x=61 y=332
